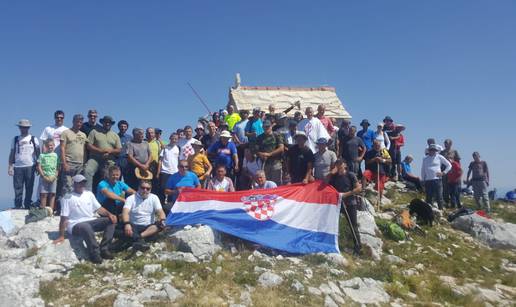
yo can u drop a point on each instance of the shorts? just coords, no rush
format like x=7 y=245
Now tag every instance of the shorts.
x=46 y=187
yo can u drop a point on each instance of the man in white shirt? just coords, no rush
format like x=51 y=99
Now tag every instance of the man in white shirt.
x=186 y=144
x=54 y=131
x=22 y=164
x=139 y=216
x=431 y=174
x=78 y=217
x=313 y=129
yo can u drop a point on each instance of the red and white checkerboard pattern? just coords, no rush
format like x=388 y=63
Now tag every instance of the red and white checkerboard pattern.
x=260 y=207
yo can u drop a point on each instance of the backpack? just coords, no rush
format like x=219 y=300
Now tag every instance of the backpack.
x=37 y=214
x=395 y=232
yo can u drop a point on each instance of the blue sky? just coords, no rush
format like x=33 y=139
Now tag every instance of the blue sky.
x=442 y=68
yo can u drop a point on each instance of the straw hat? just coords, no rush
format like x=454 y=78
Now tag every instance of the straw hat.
x=147 y=175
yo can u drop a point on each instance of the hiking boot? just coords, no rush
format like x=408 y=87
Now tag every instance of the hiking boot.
x=141 y=246
x=106 y=254
x=96 y=259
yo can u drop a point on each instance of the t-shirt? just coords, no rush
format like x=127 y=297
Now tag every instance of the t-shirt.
x=344 y=183
x=139 y=151
x=74 y=145
x=226 y=185
x=231 y=120
x=351 y=149
x=368 y=137
x=326 y=122
x=383 y=138
x=254 y=125
x=372 y=154
x=79 y=208
x=119 y=188
x=314 y=130
x=186 y=148
x=479 y=170
x=455 y=174
x=177 y=180
x=142 y=211
x=24 y=151
x=53 y=133
x=322 y=163
x=49 y=163
x=406 y=168
x=108 y=140
x=224 y=153
x=87 y=127
x=253 y=166
x=239 y=131
x=155 y=148
x=267 y=185
x=170 y=159
x=207 y=140
x=199 y=164
x=445 y=153
x=298 y=159
x=269 y=143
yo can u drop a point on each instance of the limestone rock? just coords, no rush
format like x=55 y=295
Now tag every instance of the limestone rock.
x=124 y=300
x=394 y=259
x=172 y=293
x=368 y=230
x=269 y=279
x=177 y=256
x=201 y=241
x=494 y=234
x=297 y=286
x=364 y=290
x=150 y=269
x=329 y=302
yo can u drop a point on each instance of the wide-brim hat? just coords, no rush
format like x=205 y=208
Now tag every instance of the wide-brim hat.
x=399 y=128
x=24 y=123
x=196 y=142
x=365 y=122
x=387 y=118
x=141 y=175
x=225 y=134
x=108 y=119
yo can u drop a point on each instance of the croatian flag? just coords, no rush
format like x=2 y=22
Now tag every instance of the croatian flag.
x=295 y=218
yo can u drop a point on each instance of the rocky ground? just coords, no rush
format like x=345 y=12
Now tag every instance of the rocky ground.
x=471 y=262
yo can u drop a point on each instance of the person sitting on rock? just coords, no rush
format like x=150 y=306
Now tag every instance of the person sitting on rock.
x=78 y=211
x=408 y=175
x=111 y=191
x=376 y=161
x=139 y=216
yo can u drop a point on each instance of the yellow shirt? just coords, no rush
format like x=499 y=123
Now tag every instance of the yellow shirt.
x=231 y=120
x=155 y=148
x=199 y=164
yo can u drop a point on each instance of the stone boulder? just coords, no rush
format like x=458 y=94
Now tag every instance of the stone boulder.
x=492 y=233
x=269 y=279
x=364 y=290
x=369 y=235
x=202 y=241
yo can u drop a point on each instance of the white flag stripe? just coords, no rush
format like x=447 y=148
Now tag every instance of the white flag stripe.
x=306 y=216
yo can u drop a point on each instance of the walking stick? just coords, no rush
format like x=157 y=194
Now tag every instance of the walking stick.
x=378 y=184
x=355 y=238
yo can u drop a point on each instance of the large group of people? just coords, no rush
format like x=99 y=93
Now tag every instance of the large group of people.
x=129 y=179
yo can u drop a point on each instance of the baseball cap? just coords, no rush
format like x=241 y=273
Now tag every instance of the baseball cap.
x=78 y=178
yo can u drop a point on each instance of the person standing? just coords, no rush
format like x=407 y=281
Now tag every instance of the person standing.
x=393 y=134
x=139 y=156
x=431 y=174
x=91 y=124
x=346 y=183
x=78 y=210
x=22 y=164
x=343 y=137
x=446 y=152
x=125 y=138
x=313 y=129
x=54 y=132
x=479 y=173
x=354 y=151
x=366 y=134
x=186 y=144
x=155 y=148
x=453 y=179
x=224 y=152
x=211 y=137
x=168 y=161
x=239 y=136
x=325 y=121
x=300 y=160
x=324 y=160
x=382 y=137
x=104 y=147
x=269 y=147
x=231 y=118
x=254 y=127
x=48 y=169
x=73 y=153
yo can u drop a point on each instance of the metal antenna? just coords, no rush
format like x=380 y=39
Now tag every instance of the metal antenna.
x=199 y=97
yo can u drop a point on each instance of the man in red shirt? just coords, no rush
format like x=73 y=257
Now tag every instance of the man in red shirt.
x=326 y=121
x=453 y=181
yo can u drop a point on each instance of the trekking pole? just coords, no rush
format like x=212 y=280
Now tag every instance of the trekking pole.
x=378 y=184
x=348 y=218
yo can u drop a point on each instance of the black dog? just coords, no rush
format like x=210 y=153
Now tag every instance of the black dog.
x=423 y=210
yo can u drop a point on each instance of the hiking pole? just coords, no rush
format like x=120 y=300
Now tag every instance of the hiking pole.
x=348 y=218
x=199 y=97
x=378 y=184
